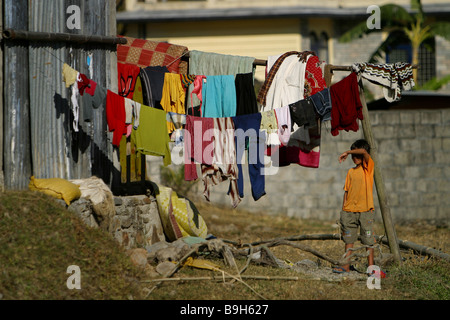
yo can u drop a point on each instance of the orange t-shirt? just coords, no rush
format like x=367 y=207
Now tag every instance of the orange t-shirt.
x=359 y=187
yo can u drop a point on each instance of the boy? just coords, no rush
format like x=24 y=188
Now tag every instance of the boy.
x=357 y=207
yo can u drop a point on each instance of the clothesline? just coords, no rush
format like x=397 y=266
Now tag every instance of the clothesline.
x=263 y=62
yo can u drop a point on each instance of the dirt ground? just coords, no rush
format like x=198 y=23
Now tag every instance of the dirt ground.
x=302 y=275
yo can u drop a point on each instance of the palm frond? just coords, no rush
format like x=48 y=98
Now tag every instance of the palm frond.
x=391 y=15
x=354 y=33
x=416 y=5
x=441 y=29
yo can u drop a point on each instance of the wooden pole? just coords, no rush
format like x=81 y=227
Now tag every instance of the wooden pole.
x=379 y=182
x=378 y=177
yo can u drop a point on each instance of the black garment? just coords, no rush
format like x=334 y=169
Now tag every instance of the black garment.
x=303 y=113
x=245 y=94
x=195 y=111
x=152 y=80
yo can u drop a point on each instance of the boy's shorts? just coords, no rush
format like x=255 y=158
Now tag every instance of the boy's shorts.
x=350 y=222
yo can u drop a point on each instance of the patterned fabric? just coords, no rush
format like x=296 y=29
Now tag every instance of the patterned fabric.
x=392 y=76
x=269 y=79
x=187 y=79
x=144 y=53
x=314 y=81
x=224 y=166
x=269 y=124
x=165 y=209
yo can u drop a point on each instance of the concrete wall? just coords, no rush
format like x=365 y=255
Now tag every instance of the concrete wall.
x=413 y=148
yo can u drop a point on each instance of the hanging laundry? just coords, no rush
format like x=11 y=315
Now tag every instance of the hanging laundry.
x=198 y=144
x=69 y=75
x=83 y=83
x=347 y=107
x=144 y=53
x=219 y=97
x=286 y=80
x=284 y=124
x=152 y=85
x=151 y=135
x=127 y=76
x=322 y=102
x=136 y=113
x=178 y=121
x=394 y=77
x=303 y=113
x=210 y=64
x=94 y=98
x=173 y=97
x=298 y=151
x=215 y=64
x=224 y=166
x=115 y=116
x=75 y=106
x=197 y=90
x=186 y=80
x=314 y=81
x=245 y=94
x=248 y=136
x=269 y=125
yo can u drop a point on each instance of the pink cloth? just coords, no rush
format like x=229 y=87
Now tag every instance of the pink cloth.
x=284 y=124
x=198 y=84
x=198 y=144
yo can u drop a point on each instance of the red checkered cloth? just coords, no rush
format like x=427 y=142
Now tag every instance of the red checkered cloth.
x=145 y=53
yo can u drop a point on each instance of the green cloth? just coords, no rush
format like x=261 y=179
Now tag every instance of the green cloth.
x=151 y=135
x=214 y=64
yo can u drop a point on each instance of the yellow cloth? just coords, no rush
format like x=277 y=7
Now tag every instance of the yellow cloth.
x=69 y=75
x=201 y=264
x=173 y=96
x=57 y=188
x=177 y=216
x=359 y=187
x=184 y=216
x=151 y=135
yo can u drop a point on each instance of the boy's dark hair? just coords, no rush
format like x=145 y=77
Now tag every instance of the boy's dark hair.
x=361 y=144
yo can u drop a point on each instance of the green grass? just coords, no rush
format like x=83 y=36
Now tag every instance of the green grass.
x=40 y=239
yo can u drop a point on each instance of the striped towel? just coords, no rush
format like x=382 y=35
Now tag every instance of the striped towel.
x=394 y=77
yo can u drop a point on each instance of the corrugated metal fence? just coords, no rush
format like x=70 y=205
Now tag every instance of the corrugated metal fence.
x=39 y=138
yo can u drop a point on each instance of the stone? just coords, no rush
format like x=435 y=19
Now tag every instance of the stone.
x=138 y=257
x=168 y=254
x=165 y=268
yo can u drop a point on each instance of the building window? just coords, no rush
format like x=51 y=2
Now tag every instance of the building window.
x=319 y=45
x=427 y=59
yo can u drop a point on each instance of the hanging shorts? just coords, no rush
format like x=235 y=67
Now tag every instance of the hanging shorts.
x=350 y=222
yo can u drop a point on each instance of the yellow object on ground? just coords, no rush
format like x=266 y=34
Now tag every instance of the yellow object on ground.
x=178 y=217
x=56 y=187
x=201 y=264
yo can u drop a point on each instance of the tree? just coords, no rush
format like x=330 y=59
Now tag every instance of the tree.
x=400 y=23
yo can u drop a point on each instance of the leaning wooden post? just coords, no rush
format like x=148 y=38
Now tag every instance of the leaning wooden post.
x=379 y=182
